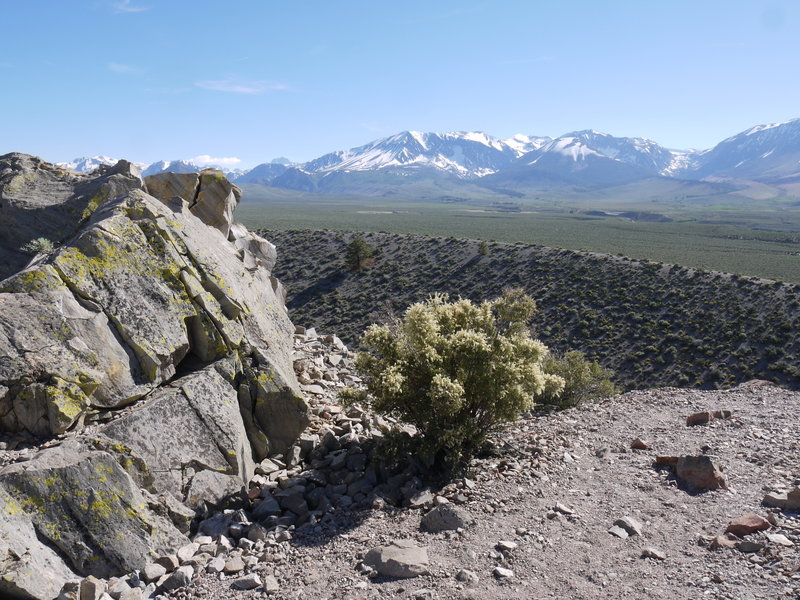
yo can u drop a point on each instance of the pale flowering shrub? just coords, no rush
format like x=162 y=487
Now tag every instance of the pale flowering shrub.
x=456 y=371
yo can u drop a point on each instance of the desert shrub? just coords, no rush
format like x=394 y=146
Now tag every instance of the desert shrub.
x=38 y=246
x=583 y=380
x=456 y=371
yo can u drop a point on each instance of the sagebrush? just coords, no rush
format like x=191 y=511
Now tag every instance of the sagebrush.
x=456 y=371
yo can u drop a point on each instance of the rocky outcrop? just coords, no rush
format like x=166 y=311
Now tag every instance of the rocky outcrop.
x=157 y=316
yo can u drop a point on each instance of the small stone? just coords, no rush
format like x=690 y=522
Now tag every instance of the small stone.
x=775 y=499
x=747 y=524
x=629 y=524
x=92 y=588
x=170 y=562
x=639 y=444
x=248 y=582
x=284 y=536
x=602 y=452
x=619 y=532
x=723 y=541
x=131 y=594
x=181 y=577
x=201 y=540
x=246 y=544
x=749 y=546
x=780 y=539
x=216 y=565
x=651 y=552
x=502 y=573
x=506 y=546
x=467 y=576
x=700 y=472
x=224 y=545
x=446 y=517
x=702 y=418
x=153 y=572
x=266 y=467
x=401 y=558
x=793 y=499
x=116 y=586
x=186 y=552
x=563 y=509
x=271 y=585
x=257 y=532
x=234 y=565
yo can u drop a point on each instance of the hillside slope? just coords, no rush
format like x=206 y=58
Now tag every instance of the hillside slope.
x=653 y=324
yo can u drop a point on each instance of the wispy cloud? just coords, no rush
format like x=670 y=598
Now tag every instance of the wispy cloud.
x=121 y=68
x=205 y=159
x=237 y=86
x=125 y=6
x=372 y=127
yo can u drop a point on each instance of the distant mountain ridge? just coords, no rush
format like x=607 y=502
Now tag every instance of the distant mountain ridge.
x=768 y=154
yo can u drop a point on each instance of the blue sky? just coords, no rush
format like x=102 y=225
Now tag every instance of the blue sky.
x=252 y=80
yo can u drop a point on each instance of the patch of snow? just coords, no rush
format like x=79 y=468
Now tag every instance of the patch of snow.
x=420 y=138
x=759 y=128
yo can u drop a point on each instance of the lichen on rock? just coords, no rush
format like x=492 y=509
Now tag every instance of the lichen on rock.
x=159 y=300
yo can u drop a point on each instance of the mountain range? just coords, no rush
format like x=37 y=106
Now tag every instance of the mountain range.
x=764 y=156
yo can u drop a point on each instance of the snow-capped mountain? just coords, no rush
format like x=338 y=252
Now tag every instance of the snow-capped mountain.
x=87 y=164
x=173 y=166
x=264 y=173
x=762 y=153
x=588 y=157
x=444 y=163
x=466 y=155
x=522 y=144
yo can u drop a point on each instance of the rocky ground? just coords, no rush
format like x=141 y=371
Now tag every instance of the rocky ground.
x=530 y=521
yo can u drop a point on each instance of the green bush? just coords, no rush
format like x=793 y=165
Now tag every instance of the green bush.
x=583 y=380
x=358 y=255
x=38 y=246
x=456 y=371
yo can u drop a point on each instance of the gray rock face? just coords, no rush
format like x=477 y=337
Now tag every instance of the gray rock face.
x=42 y=200
x=210 y=196
x=83 y=502
x=30 y=569
x=161 y=302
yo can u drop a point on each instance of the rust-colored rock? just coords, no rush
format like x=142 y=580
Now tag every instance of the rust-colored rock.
x=705 y=417
x=639 y=444
x=700 y=472
x=747 y=524
x=667 y=461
